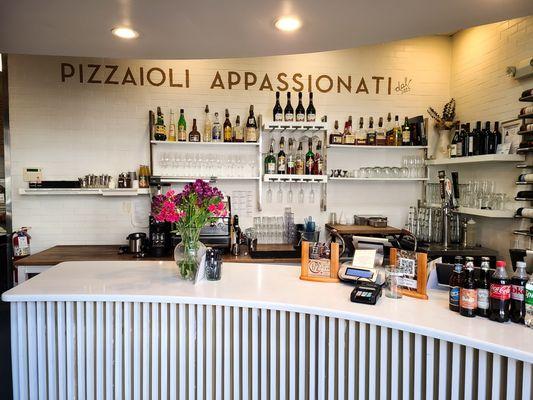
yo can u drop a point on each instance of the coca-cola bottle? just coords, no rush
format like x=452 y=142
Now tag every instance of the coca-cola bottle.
x=483 y=286
x=500 y=294
x=518 y=288
x=456 y=282
x=468 y=300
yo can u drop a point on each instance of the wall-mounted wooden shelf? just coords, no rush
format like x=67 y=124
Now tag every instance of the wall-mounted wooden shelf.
x=485 y=158
x=83 y=192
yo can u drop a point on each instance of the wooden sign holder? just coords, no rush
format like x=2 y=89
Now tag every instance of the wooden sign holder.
x=333 y=265
x=421 y=275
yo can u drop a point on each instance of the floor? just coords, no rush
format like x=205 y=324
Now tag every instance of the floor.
x=5 y=353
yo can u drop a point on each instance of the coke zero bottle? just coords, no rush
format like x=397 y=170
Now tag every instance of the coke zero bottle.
x=468 y=302
x=518 y=288
x=483 y=286
x=500 y=294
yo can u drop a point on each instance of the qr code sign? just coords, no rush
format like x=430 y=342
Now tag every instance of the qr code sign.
x=409 y=267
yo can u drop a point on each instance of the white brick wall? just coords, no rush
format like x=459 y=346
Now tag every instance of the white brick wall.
x=69 y=129
x=483 y=92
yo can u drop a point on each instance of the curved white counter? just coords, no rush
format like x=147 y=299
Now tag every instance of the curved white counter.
x=296 y=337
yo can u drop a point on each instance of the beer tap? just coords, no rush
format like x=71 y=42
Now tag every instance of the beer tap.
x=449 y=204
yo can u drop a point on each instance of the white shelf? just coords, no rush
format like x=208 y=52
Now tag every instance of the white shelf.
x=83 y=192
x=230 y=144
x=366 y=147
x=294 y=126
x=380 y=179
x=186 y=179
x=487 y=213
x=478 y=159
x=295 y=178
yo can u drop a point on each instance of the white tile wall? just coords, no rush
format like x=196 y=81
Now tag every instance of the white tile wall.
x=480 y=56
x=70 y=129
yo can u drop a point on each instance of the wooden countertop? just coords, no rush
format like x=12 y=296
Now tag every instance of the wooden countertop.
x=363 y=230
x=59 y=254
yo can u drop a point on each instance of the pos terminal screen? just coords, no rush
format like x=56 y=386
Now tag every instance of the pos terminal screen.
x=359 y=273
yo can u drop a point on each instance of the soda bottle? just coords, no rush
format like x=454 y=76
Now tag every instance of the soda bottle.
x=500 y=294
x=456 y=281
x=468 y=301
x=518 y=289
x=483 y=286
x=529 y=302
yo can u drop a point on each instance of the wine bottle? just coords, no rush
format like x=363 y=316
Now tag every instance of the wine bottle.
x=228 y=130
x=194 y=135
x=270 y=161
x=288 y=113
x=487 y=141
x=251 y=127
x=282 y=157
x=469 y=141
x=277 y=112
x=238 y=133
x=208 y=126
x=182 y=127
x=310 y=112
x=476 y=134
x=300 y=110
x=497 y=136
x=309 y=158
x=406 y=134
x=455 y=142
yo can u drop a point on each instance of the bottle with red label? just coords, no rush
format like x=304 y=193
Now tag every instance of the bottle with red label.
x=468 y=294
x=518 y=295
x=500 y=294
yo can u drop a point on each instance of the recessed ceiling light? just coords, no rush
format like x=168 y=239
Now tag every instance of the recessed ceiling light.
x=288 y=24
x=125 y=33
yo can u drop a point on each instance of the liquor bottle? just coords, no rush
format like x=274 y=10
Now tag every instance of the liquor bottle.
x=300 y=110
x=270 y=161
x=471 y=141
x=371 y=133
x=208 y=126
x=318 y=164
x=391 y=139
x=309 y=158
x=500 y=294
x=476 y=135
x=456 y=282
x=381 y=135
x=406 y=134
x=251 y=127
x=194 y=135
x=483 y=286
x=310 y=112
x=216 y=132
x=299 y=162
x=347 y=135
x=172 y=128
x=518 y=289
x=182 y=127
x=456 y=143
x=397 y=131
x=282 y=157
x=291 y=159
x=238 y=132
x=335 y=137
x=288 y=113
x=160 y=131
x=360 y=134
x=468 y=294
x=228 y=130
x=277 y=112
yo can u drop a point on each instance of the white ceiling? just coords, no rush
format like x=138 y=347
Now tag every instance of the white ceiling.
x=231 y=28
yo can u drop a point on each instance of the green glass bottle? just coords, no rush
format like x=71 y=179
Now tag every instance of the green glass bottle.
x=309 y=158
x=182 y=127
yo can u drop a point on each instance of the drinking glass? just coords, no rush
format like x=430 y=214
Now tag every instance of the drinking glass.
x=312 y=196
x=269 y=194
x=301 y=195
x=393 y=277
x=290 y=194
x=279 y=194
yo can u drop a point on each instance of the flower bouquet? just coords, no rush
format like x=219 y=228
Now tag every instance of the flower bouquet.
x=196 y=206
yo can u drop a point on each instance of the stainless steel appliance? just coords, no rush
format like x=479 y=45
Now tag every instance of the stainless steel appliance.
x=137 y=244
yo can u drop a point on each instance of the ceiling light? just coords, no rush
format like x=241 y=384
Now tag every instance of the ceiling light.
x=125 y=33
x=288 y=24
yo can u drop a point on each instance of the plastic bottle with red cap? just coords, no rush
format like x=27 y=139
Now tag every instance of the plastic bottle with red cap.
x=500 y=294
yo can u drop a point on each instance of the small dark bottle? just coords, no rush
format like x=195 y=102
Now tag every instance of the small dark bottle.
x=518 y=293
x=483 y=286
x=468 y=292
x=456 y=281
x=477 y=138
x=467 y=141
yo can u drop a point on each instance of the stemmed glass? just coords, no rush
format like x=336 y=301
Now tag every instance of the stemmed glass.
x=312 y=196
x=290 y=194
x=269 y=194
x=301 y=195
x=279 y=194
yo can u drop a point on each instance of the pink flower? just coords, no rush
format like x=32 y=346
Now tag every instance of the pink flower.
x=218 y=210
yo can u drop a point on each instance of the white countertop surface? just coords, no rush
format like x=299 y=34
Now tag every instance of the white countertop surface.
x=273 y=287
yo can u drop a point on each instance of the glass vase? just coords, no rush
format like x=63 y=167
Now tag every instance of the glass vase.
x=188 y=253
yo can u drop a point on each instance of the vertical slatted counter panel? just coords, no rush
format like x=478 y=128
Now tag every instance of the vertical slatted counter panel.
x=95 y=350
